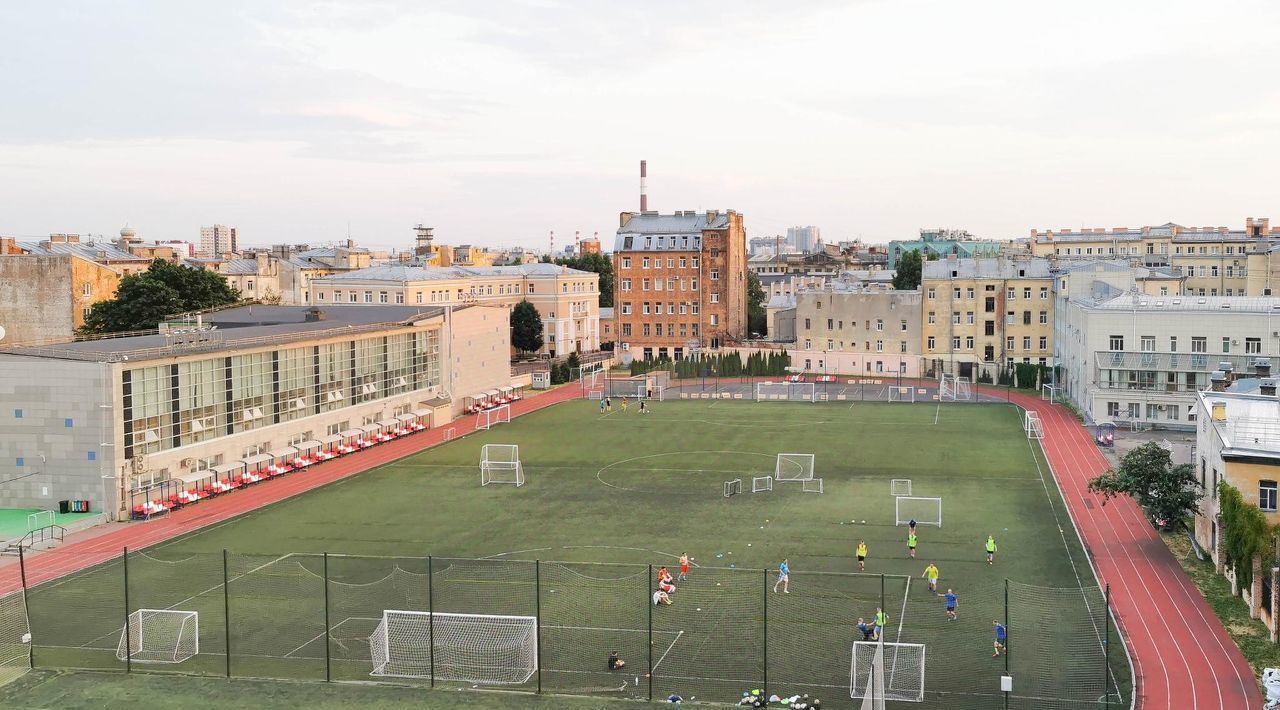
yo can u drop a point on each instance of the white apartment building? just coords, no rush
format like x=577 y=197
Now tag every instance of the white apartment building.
x=218 y=240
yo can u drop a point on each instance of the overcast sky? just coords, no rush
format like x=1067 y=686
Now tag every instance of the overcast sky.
x=499 y=121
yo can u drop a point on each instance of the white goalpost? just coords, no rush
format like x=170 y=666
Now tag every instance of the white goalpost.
x=759 y=484
x=473 y=648
x=900 y=486
x=500 y=463
x=160 y=636
x=925 y=511
x=902 y=394
x=651 y=393
x=793 y=467
x=492 y=417
x=811 y=485
x=732 y=488
x=954 y=389
x=785 y=392
x=881 y=671
x=1049 y=393
x=40 y=519
x=1032 y=425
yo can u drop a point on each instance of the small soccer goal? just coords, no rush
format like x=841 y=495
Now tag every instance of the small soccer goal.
x=160 y=636
x=925 y=511
x=732 y=488
x=785 y=392
x=493 y=417
x=811 y=485
x=40 y=520
x=793 y=467
x=887 y=671
x=472 y=648
x=902 y=394
x=652 y=393
x=1049 y=393
x=1032 y=425
x=760 y=484
x=500 y=463
x=900 y=486
x=952 y=388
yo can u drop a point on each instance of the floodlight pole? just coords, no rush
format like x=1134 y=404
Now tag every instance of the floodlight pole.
x=128 y=623
x=328 y=673
x=226 y=609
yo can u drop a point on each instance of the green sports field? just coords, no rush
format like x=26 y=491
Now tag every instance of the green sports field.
x=607 y=496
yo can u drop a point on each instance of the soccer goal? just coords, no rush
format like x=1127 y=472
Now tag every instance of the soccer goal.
x=759 y=484
x=732 y=488
x=793 y=467
x=785 y=392
x=811 y=485
x=652 y=393
x=160 y=636
x=472 y=648
x=500 y=463
x=954 y=389
x=493 y=417
x=900 y=486
x=39 y=520
x=887 y=671
x=902 y=394
x=925 y=511
x=1049 y=393
x=1032 y=425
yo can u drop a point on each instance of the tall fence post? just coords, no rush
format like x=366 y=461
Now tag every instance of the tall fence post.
x=1007 y=639
x=649 y=603
x=26 y=607
x=328 y=671
x=537 y=616
x=1106 y=642
x=226 y=608
x=431 y=616
x=128 y=624
x=765 y=630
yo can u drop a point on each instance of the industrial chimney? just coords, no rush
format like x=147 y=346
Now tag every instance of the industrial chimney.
x=644 y=189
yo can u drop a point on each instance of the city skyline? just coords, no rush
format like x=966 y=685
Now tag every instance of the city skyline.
x=497 y=126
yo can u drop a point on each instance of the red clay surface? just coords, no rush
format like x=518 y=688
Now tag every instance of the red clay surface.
x=1182 y=655
x=1183 y=658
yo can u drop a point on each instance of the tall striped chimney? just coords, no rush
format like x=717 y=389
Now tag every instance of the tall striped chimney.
x=644 y=196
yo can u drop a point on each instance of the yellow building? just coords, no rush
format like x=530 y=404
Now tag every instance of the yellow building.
x=980 y=315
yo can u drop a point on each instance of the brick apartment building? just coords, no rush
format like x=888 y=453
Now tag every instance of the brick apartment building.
x=679 y=279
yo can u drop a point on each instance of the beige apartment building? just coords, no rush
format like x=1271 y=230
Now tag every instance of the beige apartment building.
x=857 y=330
x=567 y=299
x=1217 y=261
x=981 y=315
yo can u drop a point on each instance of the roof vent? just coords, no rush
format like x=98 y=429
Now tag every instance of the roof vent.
x=1267 y=387
x=314 y=315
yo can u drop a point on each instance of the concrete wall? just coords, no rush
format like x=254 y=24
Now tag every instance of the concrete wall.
x=479 y=349
x=35 y=298
x=51 y=420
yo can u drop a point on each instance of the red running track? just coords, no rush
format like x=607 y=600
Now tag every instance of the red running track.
x=95 y=547
x=1182 y=655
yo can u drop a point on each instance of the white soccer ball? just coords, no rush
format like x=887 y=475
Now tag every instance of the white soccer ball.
x=26 y=638
x=698 y=609
x=864 y=522
x=717 y=584
x=748 y=544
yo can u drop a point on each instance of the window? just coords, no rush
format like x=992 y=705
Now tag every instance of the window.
x=644 y=263
x=968 y=317
x=955 y=317
x=989 y=327
x=931 y=294
x=693 y=309
x=382 y=297
x=932 y=343
x=626 y=262
x=368 y=296
x=1173 y=343
x=968 y=342
x=955 y=293
x=933 y=318
x=626 y=285
x=955 y=343
x=715 y=298
x=715 y=319
x=353 y=297
x=671 y=262
x=1253 y=346
x=1226 y=345
x=626 y=309
x=1026 y=317
x=1113 y=409
x=807 y=325
x=86 y=289
x=684 y=308
x=400 y=297
x=671 y=308
x=1199 y=345
x=1044 y=317
x=644 y=308
x=1148 y=343
x=693 y=286
x=1044 y=293
x=1011 y=294
x=646 y=331
x=1267 y=495
x=1026 y=293
x=1117 y=343
x=695 y=265
x=968 y=293
x=657 y=284
x=683 y=262
x=1026 y=342
x=830 y=323
x=626 y=329
x=880 y=324
x=715 y=274
x=1010 y=343
x=1044 y=342
x=879 y=346
x=1010 y=318
x=902 y=325
x=644 y=284
x=990 y=305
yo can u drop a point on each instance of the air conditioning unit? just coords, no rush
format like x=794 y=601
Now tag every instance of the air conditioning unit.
x=1160 y=407
x=627 y=346
x=187 y=463
x=139 y=464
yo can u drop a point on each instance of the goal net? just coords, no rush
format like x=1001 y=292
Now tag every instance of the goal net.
x=39 y=520
x=492 y=417
x=811 y=485
x=160 y=636
x=902 y=394
x=473 y=648
x=785 y=392
x=1049 y=393
x=1032 y=425
x=952 y=388
x=925 y=511
x=732 y=488
x=900 y=486
x=761 y=483
x=500 y=463
x=886 y=671
x=654 y=393
x=793 y=467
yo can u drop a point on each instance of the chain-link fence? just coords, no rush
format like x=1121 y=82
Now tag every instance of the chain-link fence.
x=552 y=627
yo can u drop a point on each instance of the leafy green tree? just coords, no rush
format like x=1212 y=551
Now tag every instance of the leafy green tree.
x=907 y=276
x=757 y=322
x=1166 y=492
x=598 y=264
x=164 y=289
x=526 y=327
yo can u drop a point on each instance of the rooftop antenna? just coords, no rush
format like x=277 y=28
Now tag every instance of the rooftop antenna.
x=553 y=244
x=644 y=188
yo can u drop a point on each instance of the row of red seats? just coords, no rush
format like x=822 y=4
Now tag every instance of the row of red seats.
x=478 y=407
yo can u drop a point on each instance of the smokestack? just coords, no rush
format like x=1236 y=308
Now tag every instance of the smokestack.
x=644 y=188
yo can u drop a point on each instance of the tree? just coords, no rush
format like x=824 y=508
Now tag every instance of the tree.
x=757 y=321
x=598 y=264
x=526 y=327
x=1244 y=531
x=1166 y=492
x=165 y=289
x=907 y=276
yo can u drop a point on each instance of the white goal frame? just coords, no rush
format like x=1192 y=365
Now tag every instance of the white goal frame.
x=902 y=394
x=1049 y=393
x=900 y=487
x=1032 y=426
x=488 y=418
x=786 y=392
x=953 y=388
x=732 y=488
x=902 y=672
x=657 y=393
x=785 y=465
x=423 y=644
x=760 y=484
x=41 y=519
x=174 y=635
x=916 y=504
x=500 y=463
x=811 y=485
